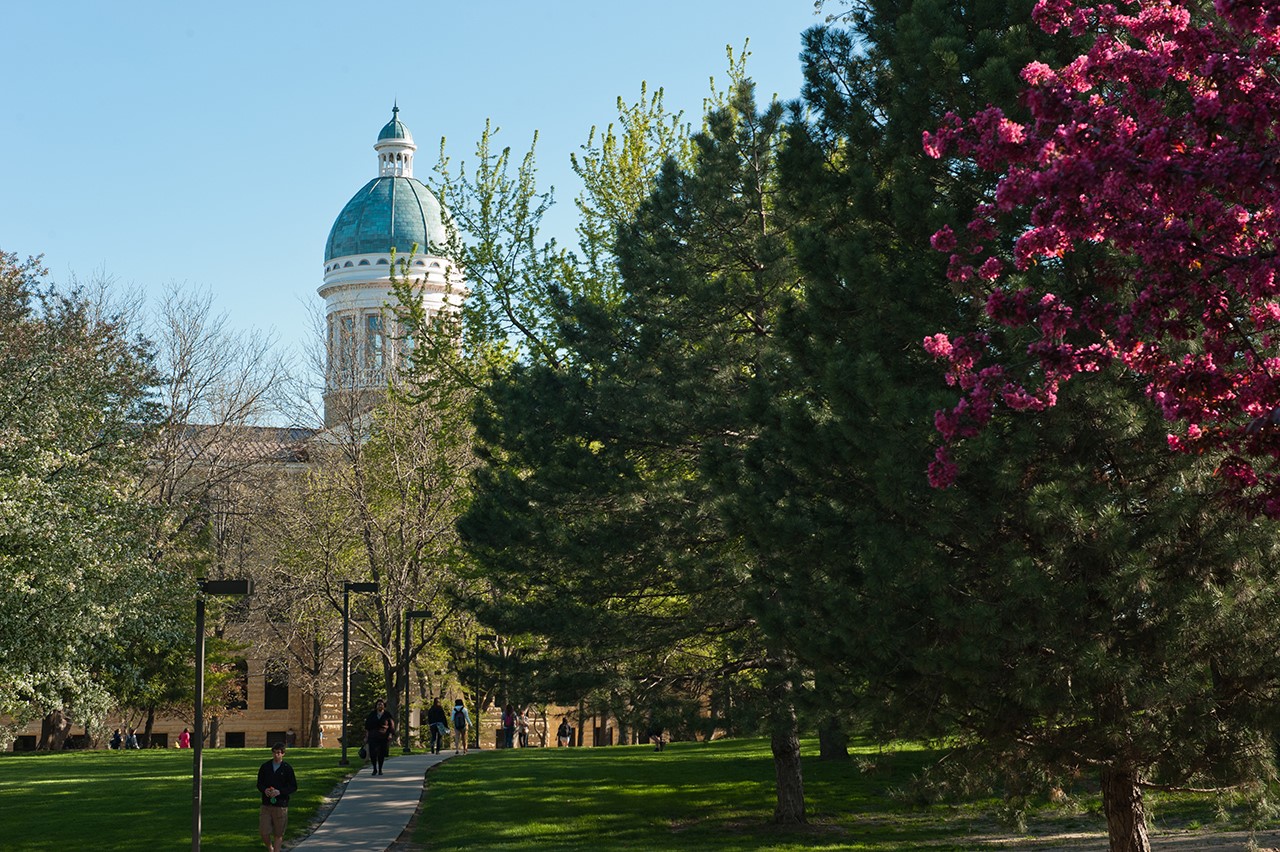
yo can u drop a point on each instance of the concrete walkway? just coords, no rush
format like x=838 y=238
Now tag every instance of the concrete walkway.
x=373 y=811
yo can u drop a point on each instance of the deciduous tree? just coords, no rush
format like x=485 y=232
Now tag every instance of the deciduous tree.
x=75 y=417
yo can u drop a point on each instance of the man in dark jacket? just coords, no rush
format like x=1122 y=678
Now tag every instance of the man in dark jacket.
x=276 y=783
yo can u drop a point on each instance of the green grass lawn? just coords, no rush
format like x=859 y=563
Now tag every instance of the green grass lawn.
x=691 y=796
x=141 y=800
x=720 y=796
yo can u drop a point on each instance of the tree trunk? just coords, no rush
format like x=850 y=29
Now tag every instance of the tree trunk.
x=317 y=707
x=785 y=742
x=1122 y=803
x=213 y=732
x=54 y=729
x=833 y=742
x=786 y=766
x=151 y=723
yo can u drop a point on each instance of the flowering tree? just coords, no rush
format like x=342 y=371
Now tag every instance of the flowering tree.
x=1160 y=145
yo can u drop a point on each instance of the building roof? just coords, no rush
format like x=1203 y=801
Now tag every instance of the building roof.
x=388 y=212
x=395 y=129
x=394 y=210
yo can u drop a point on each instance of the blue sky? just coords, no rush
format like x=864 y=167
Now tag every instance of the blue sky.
x=213 y=144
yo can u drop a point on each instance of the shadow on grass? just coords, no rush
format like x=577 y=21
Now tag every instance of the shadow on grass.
x=721 y=796
x=142 y=800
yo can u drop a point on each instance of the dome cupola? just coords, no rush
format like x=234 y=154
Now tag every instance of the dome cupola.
x=373 y=240
x=392 y=210
x=395 y=148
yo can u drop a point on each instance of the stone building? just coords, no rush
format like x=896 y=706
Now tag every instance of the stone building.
x=392 y=225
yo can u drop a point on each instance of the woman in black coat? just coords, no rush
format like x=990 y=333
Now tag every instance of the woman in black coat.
x=381 y=730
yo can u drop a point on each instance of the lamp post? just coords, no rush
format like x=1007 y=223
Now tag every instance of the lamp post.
x=205 y=587
x=347 y=588
x=410 y=613
x=485 y=637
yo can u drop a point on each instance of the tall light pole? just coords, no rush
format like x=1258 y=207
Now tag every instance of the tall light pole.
x=205 y=587
x=347 y=588
x=486 y=637
x=411 y=613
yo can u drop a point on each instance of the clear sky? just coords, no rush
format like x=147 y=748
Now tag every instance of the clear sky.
x=213 y=144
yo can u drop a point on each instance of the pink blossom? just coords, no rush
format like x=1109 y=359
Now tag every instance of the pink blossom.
x=1184 y=189
x=942 y=470
x=944 y=239
x=1036 y=73
x=938 y=345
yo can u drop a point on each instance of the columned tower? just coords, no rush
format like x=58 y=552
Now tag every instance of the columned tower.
x=392 y=211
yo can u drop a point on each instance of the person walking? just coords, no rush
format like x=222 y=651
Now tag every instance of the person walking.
x=184 y=739
x=522 y=728
x=381 y=730
x=509 y=727
x=461 y=722
x=276 y=783
x=563 y=733
x=439 y=724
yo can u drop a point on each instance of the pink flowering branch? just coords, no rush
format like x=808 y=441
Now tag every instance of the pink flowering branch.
x=1161 y=144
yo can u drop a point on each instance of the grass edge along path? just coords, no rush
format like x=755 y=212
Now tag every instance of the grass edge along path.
x=142 y=800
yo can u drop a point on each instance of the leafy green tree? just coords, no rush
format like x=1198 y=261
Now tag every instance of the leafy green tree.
x=75 y=415
x=515 y=283
x=595 y=514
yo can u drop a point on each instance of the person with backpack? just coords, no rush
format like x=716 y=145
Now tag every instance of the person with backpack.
x=564 y=733
x=461 y=722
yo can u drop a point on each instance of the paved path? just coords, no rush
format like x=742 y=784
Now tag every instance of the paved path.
x=373 y=811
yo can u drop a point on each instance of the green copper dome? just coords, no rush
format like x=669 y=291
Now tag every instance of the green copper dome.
x=395 y=128
x=386 y=212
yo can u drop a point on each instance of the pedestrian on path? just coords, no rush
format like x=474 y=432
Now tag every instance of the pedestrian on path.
x=522 y=728
x=276 y=783
x=509 y=727
x=381 y=730
x=439 y=724
x=564 y=733
x=461 y=722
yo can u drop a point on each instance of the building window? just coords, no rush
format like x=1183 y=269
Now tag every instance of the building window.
x=233 y=739
x=274 y=737
x=344 y=343
x=238 y=687
x=276 y=692
x=375 y=342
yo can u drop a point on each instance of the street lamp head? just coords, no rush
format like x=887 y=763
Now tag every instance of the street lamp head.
x=418 y=613
x=225 y=587
x=361 y=587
